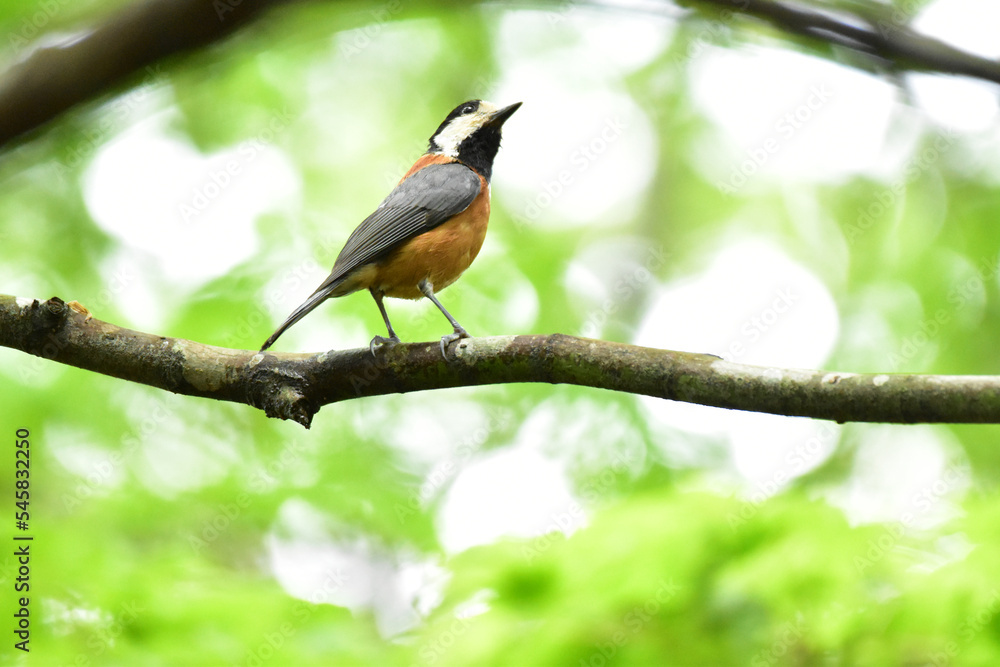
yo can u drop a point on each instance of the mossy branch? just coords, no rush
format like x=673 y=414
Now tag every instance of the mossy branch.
x=296 y=386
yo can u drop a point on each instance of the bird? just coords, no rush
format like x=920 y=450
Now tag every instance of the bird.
x=429 y=229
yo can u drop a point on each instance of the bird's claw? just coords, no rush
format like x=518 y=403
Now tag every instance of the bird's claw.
x=382 y=340
x=451 y=338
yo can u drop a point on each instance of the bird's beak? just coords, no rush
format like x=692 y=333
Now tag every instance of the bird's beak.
x=501 y=115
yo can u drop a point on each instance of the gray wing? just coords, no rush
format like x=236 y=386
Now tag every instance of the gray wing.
x=420 y=203
x=417 y=205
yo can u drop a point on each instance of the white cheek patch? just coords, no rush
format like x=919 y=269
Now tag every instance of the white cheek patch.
x=455 y=132
x=459 y=129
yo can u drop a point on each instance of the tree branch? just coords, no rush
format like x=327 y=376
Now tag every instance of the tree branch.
x=295 y=386
x=873 y=30
x=52 y=79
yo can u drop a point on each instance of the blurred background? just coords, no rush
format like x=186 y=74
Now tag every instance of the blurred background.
x=674 y=179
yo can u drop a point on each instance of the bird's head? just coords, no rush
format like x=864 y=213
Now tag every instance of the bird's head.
x=471 y=134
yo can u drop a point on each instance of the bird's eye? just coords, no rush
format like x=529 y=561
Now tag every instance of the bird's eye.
x=468 y=108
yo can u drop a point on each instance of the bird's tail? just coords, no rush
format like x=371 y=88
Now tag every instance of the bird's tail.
x=318 y=297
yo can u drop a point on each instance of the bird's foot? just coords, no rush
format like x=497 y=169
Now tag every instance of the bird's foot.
x=451 y=338
x=382 y=340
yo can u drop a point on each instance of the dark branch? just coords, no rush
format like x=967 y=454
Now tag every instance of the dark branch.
x=875 y=32
x=51 y=80
x=295 y=386
x=54 y=78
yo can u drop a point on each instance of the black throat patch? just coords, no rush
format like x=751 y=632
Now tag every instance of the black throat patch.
x=480 y=149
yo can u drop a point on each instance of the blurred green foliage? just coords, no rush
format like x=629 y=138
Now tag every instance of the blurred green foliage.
x=156 y=517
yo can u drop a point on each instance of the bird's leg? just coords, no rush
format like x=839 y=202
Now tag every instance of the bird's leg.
x=460 y=332
x=382 y=340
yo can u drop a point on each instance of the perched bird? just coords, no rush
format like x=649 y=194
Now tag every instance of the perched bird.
x=426 y=233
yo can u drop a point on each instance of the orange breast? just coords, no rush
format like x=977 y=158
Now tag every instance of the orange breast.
x=427 y=160
x=440 y=255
